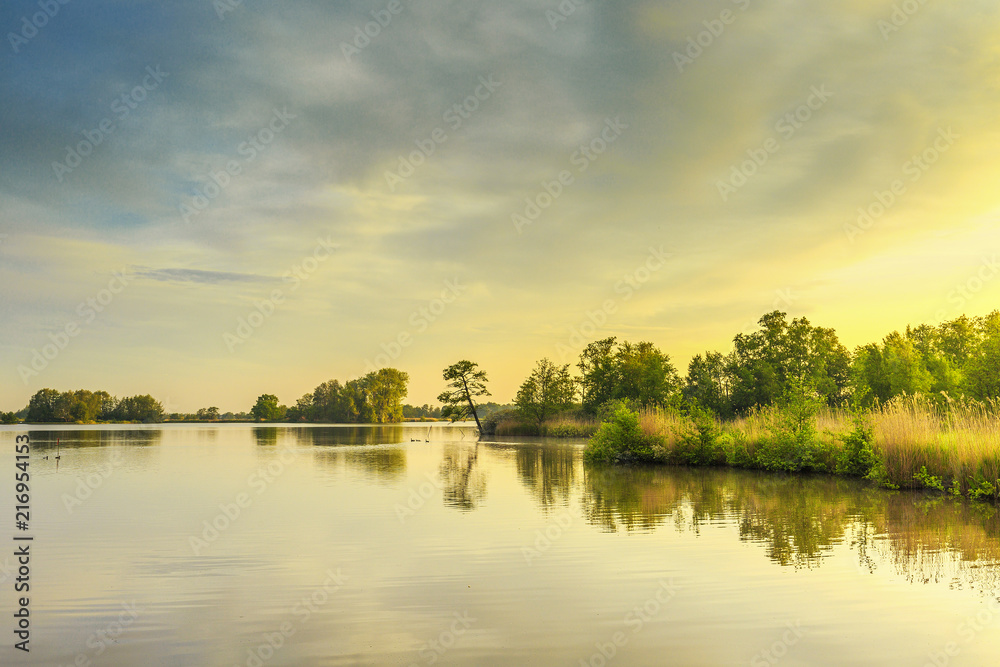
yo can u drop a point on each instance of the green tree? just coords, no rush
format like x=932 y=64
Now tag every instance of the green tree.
x=384 y=391
x=548 y=390
x=465 y=382
x=706 y=383
x=302 y=410
x=208 y=414
x=267 y=408
x=598 y=374
x=41 y=406
x=869 y=376
x=646 y=376
x=764 y=363
x=982 y=375
x=905 y=366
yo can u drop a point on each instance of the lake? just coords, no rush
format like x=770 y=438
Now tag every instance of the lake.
x=235 y=544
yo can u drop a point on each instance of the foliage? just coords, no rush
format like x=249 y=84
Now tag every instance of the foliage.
x=765 y=364
x=267 y=409
x=8 y=418
x=857 y=457
x=792 y=442
x=465 y=383
x=700 y=439
x=620 y=440
x=84 y=406
x=548 y=390
x=208 y=414
x=707 y=383
x=635 y=372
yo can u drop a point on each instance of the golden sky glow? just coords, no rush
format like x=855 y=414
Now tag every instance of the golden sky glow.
x=673 y=126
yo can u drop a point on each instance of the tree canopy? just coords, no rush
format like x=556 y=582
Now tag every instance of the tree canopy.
x=548 y=390
x=465 y=383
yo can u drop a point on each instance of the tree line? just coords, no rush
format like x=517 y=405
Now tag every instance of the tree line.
x=49 y=405
x=375 y=398
x=957 y=358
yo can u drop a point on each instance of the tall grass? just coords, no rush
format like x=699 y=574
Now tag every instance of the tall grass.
x=910 y=442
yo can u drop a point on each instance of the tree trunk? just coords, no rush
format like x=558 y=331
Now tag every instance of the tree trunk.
x=472 y=407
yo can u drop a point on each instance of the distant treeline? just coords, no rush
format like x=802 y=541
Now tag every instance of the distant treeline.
x=957 y=358
x=375 y=398
x=84 y=406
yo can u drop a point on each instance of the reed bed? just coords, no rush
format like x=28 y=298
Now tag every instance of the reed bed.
x=951 y=446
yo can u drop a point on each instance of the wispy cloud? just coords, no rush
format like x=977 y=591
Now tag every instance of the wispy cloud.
x=200 y=276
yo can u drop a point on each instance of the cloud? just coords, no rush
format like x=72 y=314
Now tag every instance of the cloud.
x=174 y=275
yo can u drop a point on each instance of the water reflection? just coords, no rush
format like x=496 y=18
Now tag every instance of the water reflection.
x=349 y=435
x=44 y=441
x=548 y=471
x=801 y=520
x=463 y=484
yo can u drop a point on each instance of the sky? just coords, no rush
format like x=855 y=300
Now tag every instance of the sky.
x=208 y=201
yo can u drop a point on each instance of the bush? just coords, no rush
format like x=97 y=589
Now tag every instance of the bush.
x=857 y=458
x=620 y=440
x=791 y=444
x=699 y=439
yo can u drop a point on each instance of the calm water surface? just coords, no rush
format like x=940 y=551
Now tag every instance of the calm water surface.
x=414 y=545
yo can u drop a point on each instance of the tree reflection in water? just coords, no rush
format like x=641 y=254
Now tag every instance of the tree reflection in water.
x=463 y=484
x=799 y=520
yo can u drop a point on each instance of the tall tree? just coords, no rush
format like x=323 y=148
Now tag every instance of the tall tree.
x=646 y=376
x=267 y=409
x=706 y=383
x=465 y=382
x=598 y=374
x=384 y=391
x=548 y=390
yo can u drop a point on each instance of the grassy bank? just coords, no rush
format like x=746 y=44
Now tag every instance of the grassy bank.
x=911 y=442
x=573 y=424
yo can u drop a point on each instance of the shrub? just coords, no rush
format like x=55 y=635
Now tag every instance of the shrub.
x=699 y=439
x=857 y=456
x=791 y=443
x=620 y=440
